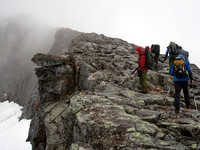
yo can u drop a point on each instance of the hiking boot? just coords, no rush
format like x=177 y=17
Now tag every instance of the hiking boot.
x=188 y=107
x=176 y=111
x=144 y=92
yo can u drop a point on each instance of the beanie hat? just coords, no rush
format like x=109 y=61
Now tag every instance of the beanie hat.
x=146 y=48
x=138 y=48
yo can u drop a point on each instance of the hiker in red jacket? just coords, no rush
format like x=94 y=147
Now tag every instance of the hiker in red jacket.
x=142 y=70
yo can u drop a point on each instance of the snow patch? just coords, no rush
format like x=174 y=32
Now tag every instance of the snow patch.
x=13 y=133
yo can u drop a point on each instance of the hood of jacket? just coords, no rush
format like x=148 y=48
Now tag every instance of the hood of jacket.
x=181 y=57
x=141 y=52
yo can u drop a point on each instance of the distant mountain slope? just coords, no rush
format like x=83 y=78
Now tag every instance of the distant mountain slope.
x=20 y=37
x=63 y=38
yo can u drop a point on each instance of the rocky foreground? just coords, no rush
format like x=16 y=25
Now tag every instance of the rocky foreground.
x=90 y=100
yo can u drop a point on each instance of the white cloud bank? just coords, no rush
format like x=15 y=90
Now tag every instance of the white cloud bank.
x=142 y=22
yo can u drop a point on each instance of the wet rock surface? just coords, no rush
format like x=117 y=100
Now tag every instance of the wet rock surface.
x=89 y=99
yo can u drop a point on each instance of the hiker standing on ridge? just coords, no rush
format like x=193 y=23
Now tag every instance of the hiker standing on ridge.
x=178 y=70
x=172 y=49
x=142 y=70
x=155 y=49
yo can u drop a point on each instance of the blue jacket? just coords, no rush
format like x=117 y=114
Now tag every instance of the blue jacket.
x=166 y=54
x=187 y=66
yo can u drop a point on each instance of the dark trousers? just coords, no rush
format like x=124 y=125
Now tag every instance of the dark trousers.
x=178 y=86
x=156 y=58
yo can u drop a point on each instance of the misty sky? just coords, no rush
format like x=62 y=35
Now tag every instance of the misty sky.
x=142 y=22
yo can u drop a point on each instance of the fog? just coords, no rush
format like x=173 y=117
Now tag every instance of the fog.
x=142 y=22
x=21 y=37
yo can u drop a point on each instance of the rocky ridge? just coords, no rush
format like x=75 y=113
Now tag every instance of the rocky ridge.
x=89 y=99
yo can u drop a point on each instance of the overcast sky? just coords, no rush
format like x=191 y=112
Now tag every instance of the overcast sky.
x=142 y=22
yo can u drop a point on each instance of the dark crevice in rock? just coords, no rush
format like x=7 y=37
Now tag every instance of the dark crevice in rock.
x=185 y=133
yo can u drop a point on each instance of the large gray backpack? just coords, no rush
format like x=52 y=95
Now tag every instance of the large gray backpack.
x=184 y=53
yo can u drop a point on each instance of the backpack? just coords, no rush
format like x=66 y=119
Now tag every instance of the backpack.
x=155 y=49
x=184 y=53
x=149 y=63
x=179 y=68
x=173 y=49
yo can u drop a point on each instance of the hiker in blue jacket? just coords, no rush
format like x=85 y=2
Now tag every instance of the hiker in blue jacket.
x=181 y=83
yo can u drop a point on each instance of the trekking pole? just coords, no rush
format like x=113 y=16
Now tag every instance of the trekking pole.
x=135 y=70
x=169 y=90
x=195 y=103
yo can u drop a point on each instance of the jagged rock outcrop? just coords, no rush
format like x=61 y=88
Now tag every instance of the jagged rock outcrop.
x=89 y=99
x=21 y=37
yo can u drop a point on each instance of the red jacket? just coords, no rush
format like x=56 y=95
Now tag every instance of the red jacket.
x=142 y=60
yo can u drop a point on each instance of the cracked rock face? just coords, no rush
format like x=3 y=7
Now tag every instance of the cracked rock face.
x=89 y=99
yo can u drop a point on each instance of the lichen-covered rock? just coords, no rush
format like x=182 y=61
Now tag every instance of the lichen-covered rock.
x=148 y=115
x=56 y=76
x=81 y=146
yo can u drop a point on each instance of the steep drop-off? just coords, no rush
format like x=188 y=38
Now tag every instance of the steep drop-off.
x=21 y=37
